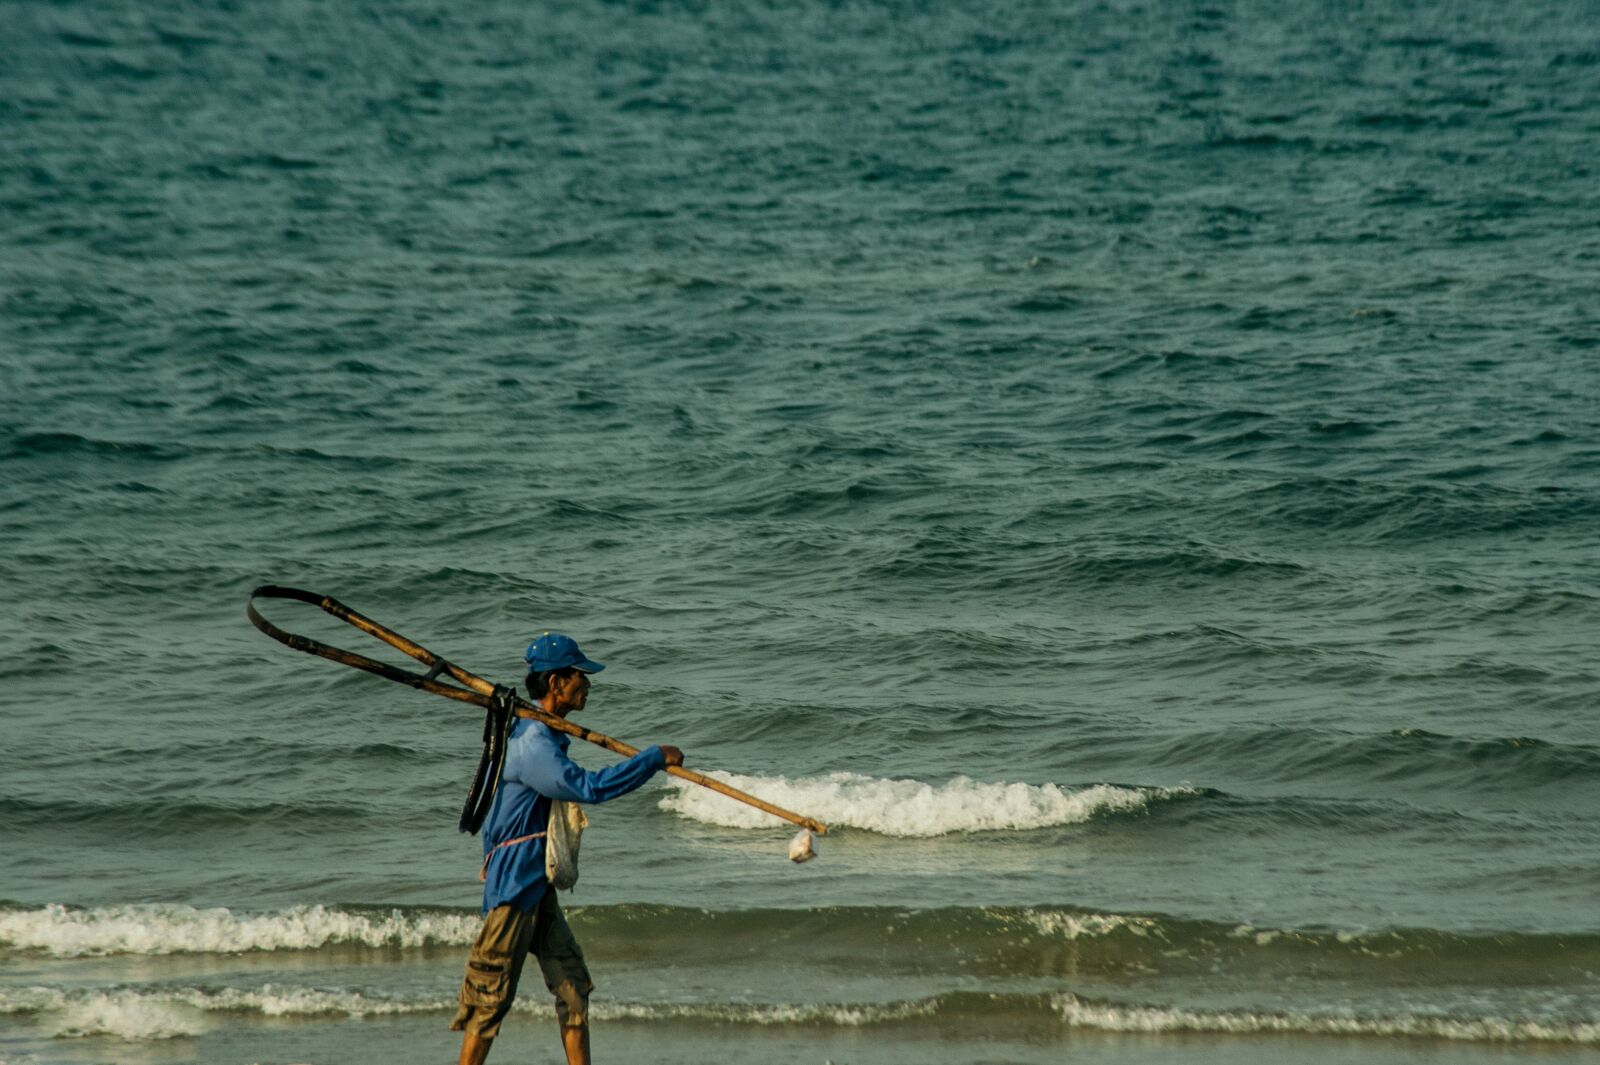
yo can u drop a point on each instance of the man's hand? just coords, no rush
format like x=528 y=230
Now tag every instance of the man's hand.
x=674 y=756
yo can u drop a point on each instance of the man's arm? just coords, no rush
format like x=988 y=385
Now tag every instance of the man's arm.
x=545 y=769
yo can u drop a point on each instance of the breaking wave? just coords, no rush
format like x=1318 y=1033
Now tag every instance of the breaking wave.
x=1111 y=1017
x=170 y=928
x=171 y=1012
x=989 y=940
x=166 y=928
x=176 y=1012
x=912 y=807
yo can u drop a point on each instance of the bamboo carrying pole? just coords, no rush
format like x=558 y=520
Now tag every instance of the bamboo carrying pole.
x=476 y=691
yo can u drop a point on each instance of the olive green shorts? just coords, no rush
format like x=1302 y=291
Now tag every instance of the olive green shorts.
x=495 y=966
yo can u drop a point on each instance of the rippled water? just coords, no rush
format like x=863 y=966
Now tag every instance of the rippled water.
x=1131 y=468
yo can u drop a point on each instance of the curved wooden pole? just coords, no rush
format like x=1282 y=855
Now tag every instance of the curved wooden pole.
x=475 y=689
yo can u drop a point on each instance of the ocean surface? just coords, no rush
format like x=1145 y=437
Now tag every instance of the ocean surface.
x=1132 y=468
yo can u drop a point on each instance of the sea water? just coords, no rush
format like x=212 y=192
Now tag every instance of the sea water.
x=1131 y=468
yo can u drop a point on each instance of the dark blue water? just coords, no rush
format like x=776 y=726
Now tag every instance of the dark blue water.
x=1132 y=469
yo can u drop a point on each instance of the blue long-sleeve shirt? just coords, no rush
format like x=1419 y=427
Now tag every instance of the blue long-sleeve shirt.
x=536 y=771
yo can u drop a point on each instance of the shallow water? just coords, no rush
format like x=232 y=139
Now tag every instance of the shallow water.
x=1130 y=468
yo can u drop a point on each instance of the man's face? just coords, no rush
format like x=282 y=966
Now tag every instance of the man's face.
x=571 y=691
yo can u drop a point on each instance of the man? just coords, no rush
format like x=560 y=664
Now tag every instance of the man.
x=521 y=914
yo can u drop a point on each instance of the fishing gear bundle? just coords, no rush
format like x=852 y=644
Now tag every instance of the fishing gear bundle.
x=496 y=730
x=501 y=705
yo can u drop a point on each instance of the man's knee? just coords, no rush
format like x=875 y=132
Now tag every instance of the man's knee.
x=572 y=1004
x=483 y=1004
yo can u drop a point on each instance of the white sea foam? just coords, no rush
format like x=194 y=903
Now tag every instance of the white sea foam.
x=175 y=929
x=1088 y=925
x=168 y=1013
x=171 y=1012
x=1119 y=1018
x=910 y=807
x=124 y=1014
x=841 y=1014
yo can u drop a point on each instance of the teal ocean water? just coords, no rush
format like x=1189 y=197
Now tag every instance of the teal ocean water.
x=1132 y=468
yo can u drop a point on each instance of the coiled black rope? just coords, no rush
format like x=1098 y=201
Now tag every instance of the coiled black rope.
x=486 y=781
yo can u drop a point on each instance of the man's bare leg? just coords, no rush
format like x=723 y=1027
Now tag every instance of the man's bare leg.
x=474 y=1048
x=576 y=1043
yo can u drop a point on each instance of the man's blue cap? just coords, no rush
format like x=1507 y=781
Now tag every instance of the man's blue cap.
x=555 y=651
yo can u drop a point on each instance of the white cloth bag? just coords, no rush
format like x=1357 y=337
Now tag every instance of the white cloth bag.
x=565 y=833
